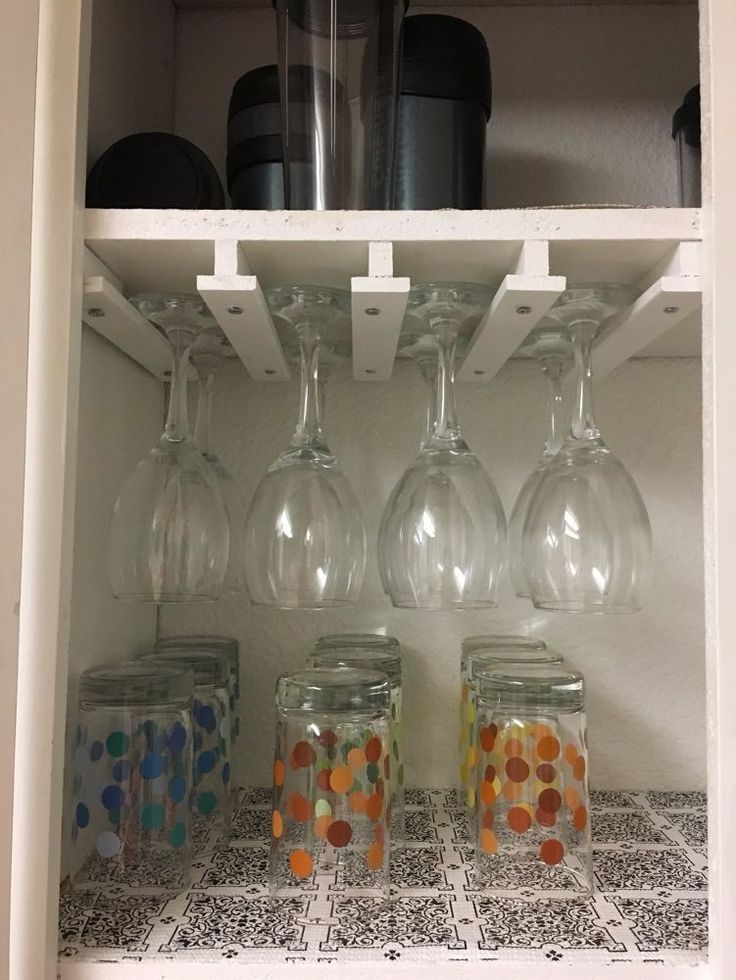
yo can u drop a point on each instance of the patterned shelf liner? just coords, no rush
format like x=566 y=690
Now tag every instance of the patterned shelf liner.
x=650 y=904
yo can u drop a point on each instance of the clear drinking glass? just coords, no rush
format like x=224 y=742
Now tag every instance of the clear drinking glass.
x=587 y=542
x=331 y=781
x=550 y=345
x=362 y=641
x=338 y=73
x=229 y=647
x=442 y=541
x=210 y=797
x=499 y=649
x=386 y=659
x=169 y=537
x=305 y=543
x=533 y=809
x=132 y=782
x=206 y=357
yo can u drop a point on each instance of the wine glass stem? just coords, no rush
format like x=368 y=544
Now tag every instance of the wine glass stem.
x=177 y=423
x=428 y=368
x=553 y=368
x=203 y=423
x=582 y=335
x=445 y=428
x=309 y=427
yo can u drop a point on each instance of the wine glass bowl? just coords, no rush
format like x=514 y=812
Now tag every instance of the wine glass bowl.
x=169 y=535
x=305 y=542
x=442 y=537
x=586 y=537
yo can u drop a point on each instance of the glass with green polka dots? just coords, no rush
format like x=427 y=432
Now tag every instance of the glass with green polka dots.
x=384 y=657
x=332 y=782
x=505 y=648
x=532 y=817
x=211 y=743
x=131 y=824
x=230 y=647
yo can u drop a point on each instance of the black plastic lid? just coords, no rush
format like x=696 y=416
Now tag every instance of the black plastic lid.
x=446 y=58
x=257 y=87
x=154 y=170
x=688 y=115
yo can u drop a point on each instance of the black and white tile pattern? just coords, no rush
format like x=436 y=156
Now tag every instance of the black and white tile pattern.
x=650 y=865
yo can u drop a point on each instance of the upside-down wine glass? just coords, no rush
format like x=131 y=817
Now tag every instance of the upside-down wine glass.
x=169 y=537
x=442 y=541
x=550 y=345
x=587 y=541
x=305 y=543
x=206 y=357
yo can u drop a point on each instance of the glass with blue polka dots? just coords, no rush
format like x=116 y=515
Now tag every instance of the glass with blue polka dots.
x=476 y=649
x=211 y=743
x=381 y=653
x=131 y=823
x=230 y=647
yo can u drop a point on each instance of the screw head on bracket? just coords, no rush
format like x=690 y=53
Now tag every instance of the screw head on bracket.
x=369 y=371
x=235 y=310
x=372 y=311
x=95 y=311
x=671 y=309
x=478 y=371
x=269 y=371
x=523 y=310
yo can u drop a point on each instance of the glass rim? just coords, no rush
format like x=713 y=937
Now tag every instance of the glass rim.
x=209 y=643
x=480 y=659
x=341 y=641
x=342 y=690
x=384 y=660
x=133 y=682
x=210 y=667
x=532 y=685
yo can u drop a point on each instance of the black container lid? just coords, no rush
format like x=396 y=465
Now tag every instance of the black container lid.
x=446 y=58
x=688 y=115
x=154 y=170
x=257 y=87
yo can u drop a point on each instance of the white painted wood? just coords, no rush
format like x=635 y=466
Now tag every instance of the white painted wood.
x=50 y=470
x=522 y=300
x=718 y=37
x=653 y=225
x=108 y=312
x=18 y=45
x=237 y=302
x=378 y=304
x=668 y=301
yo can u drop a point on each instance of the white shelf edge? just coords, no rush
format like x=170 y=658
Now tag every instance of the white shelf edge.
x=528 y=224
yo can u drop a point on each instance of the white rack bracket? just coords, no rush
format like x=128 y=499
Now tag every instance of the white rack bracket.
x=107 y=311
x=237 y=302
x=672 y=293
x=522 y=299
x=378 y=303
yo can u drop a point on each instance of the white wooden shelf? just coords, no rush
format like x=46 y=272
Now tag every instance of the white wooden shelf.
x=526 y=256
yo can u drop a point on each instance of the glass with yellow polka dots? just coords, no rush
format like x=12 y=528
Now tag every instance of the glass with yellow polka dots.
x=505 y=648
x=130 y=820
x=532 y=814
x=331 y=815
x=385 y=658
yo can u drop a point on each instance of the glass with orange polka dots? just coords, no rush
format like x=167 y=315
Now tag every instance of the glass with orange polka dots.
x=532 y=814
x=485 y=649
x=331 y=813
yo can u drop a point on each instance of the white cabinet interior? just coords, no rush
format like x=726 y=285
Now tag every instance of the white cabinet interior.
x=583 y=100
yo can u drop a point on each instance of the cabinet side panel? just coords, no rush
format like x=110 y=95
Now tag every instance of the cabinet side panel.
x=18 y=44
x=120 y=411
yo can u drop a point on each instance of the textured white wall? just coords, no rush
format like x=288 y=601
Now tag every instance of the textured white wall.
x=120 y=412
x=582 y=104
x=645 y=672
